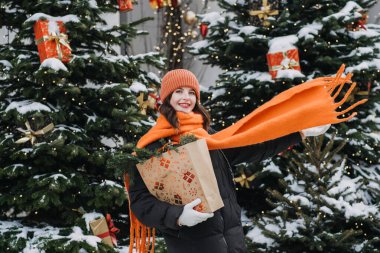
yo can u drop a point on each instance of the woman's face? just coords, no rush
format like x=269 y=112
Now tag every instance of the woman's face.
x=183 y=100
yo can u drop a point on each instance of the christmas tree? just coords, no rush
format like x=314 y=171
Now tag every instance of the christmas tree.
x=266 y=47
x=69 y=114
x=322 y=210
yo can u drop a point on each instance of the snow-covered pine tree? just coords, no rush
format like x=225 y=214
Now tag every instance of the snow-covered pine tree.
x=322 y=210
x=326 y=34
x=62 y=123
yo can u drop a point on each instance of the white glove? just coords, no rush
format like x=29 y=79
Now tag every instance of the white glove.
x=190 y=217
x=315 y=131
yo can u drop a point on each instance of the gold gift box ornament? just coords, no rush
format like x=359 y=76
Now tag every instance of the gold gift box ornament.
x=105 y=229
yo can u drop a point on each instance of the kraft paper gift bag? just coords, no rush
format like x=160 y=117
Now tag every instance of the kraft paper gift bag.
x=182 y=175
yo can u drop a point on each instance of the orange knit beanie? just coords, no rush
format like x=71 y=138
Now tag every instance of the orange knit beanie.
x=178 y=78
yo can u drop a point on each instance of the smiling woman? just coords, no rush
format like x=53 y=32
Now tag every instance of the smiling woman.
x=183 y=99
x=186 y=230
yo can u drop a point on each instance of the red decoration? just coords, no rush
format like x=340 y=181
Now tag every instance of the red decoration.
x=52 y=43
x=174 y=3
x=360 y=24
x=283 y=60
x=156 y=4
x=125 y=5
x=204 y=28
x=156 y=99
x=112 y=229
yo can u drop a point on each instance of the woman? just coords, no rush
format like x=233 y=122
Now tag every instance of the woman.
x=184 y=229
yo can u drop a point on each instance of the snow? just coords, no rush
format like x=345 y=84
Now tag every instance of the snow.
x=272 y=168
x=116 y=141
x=365 y=65
x=77 y=235
x=292 y=228
x=363 y=33
x=58 y=175
x=198 y=45
x=257 y=236
x=26 y=106
x=351 y=210
x=134 y=123
x=7 y=65
x=247 y=77
x=64 y=19
x=375 y=136
x=327 y=210
x=301 y=199
x=218 y=92
x=62 y=127
x=111 y=183
x=283 y=43
x=154 y=77
x=351 y=131
x=370 y=118
x=91 y=118
x=138 y=87
x=247 y=30
x=88 y=217
x=361 y=51
x=212 y=18
x=93 y=4
x=235 y=38
x=35 y=235
x=289 y=73
x=310 y=31
x=244 y=219
x=53 y=63
x=91 y=85
x=345 y=13
x=148 y=123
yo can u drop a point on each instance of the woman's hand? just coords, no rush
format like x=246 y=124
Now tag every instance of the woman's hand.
x=315 y=131
x=190 y=217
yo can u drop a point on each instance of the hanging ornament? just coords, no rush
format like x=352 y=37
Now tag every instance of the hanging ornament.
x=243 y=180
x=152 y=102
x=157 y=4
x=283 y=60
x=31 y=135
x=125 y=5
x=190 y=17
x=264 y=12
x=174 y=3
x=360 y=24
x=204 y=28
x=194 y=34
x=357 y=92
x=52 y=40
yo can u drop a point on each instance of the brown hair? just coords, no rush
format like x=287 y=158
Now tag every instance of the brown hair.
x=170 y=113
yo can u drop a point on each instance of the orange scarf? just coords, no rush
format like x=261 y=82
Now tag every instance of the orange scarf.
x=307 y=105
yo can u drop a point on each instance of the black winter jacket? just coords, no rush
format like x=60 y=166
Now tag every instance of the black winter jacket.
x=223 y=233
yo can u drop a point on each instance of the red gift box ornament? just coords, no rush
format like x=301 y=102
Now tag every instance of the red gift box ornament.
x=52 y=40
x=283 y=60
x=125 y=5
x=112 y=230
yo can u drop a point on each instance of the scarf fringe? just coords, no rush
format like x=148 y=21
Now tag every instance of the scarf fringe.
x=142 y=238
